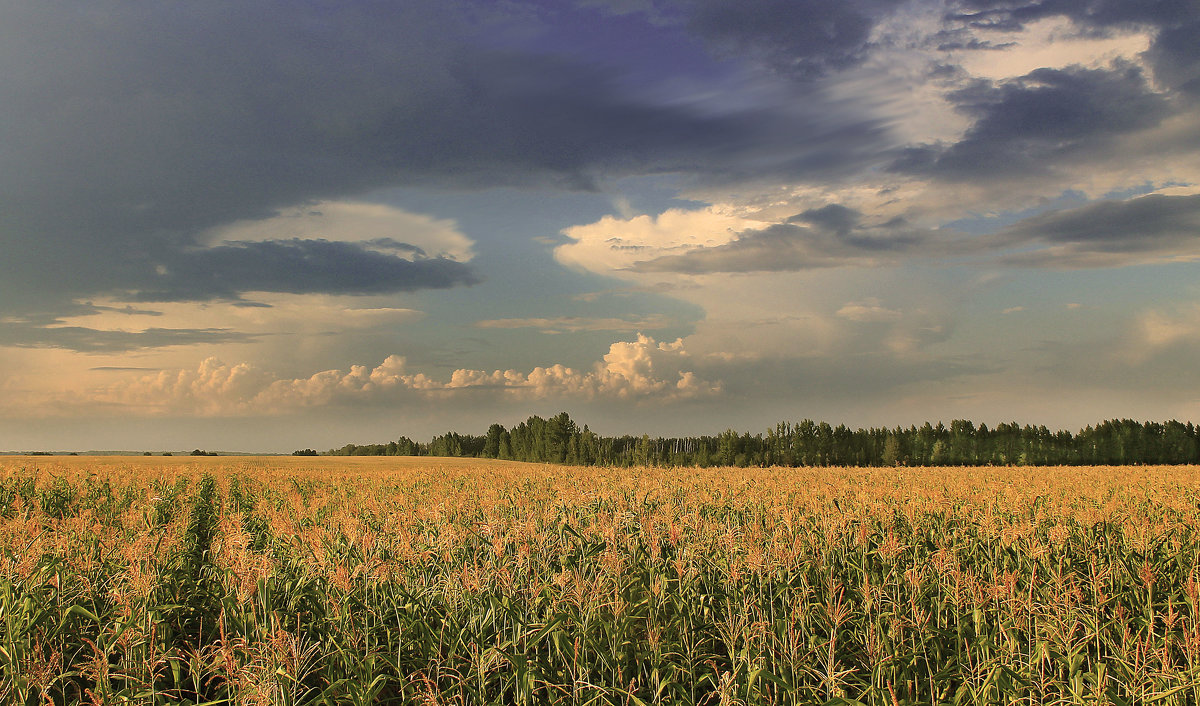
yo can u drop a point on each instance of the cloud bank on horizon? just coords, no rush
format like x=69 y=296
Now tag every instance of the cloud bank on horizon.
x=876 y=211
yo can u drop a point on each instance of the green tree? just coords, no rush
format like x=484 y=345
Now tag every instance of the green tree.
x=491 y=444
x=891 y=451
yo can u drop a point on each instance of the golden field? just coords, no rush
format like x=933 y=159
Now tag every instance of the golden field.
x=424 y=580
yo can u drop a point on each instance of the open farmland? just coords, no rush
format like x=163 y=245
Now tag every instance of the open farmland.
x=423 y=580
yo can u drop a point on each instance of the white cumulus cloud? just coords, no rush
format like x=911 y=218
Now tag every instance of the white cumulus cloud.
x=640 y=370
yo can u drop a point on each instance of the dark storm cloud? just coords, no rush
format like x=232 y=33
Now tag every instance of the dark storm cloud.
x=806 y=37
x=834 y=217
x=295 y=267
x=130 y=128
x=799 y=38
x=1175 y=56
x=544 y=119
x=1107 y=233
x=1095 y=13
x=832 y=236
x=1044 y=120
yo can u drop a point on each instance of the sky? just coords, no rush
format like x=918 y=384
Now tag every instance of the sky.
x=260 y=225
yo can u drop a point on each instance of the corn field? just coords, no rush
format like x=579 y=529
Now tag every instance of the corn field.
x=437 y=581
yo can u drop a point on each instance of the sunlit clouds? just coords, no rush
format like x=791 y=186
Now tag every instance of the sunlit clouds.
x=642 y=371
x=662 y=216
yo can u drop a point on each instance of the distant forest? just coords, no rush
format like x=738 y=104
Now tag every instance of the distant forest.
x=808 y=443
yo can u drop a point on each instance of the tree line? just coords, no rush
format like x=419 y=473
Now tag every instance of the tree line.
x=808 y=443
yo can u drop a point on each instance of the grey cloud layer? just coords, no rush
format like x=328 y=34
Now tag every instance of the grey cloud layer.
x=831 y=236
x=138 y=126
x=1103 y=234
x=90 y=340
x=296 y=267
x=1109 y=233
x=800 y=38
x=130 y=129
x=1039 y=123
x=996 y=14
x=807 y=38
